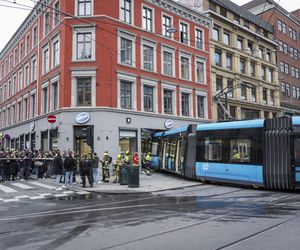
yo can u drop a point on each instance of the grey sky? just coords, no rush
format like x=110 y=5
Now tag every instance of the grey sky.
x=11 y=18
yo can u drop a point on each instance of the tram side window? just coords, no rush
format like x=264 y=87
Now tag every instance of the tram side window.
x=297 y=149
x=213 y=150
x=155 y=148
x=240 y=150
x=172 y=149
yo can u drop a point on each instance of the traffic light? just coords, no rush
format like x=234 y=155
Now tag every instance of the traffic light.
x=90 y=136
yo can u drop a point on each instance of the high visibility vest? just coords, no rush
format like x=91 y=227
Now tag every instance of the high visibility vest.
x=148 y=158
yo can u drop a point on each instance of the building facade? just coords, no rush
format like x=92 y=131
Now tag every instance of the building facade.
x=286 y=32
x=107 y=70
x=244 y=71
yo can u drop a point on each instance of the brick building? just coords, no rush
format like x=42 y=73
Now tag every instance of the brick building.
x=286 y=32
x=244 y=73
x=114 y=69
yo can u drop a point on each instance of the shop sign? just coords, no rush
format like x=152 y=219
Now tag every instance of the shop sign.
x=32 y=126
x=82 y=117
x=169 y=124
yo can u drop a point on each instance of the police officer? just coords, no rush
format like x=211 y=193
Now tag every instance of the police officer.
x=105 y=167
x=117 y=167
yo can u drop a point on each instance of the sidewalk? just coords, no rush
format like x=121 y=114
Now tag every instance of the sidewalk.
x=154 y=183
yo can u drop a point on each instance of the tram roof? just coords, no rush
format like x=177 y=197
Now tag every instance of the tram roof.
x=257 y=123
x=172 y=131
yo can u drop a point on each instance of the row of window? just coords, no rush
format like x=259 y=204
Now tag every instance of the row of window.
x=269 y=76
x=268 y=95
x=28 y=73
x=281 y=26
x=31 y=40
x=286 y=90
x=127 y=57
x=240 y=43
x=285 y=68
x=283 y=47
x=148 y=24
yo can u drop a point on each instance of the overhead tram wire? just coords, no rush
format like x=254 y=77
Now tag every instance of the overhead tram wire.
x=115 y=34
x=92 y=24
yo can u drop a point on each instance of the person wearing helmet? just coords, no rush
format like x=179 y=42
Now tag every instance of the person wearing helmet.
x=117 y=166
x=127 y=159
x=105 y=167
x=135 y=161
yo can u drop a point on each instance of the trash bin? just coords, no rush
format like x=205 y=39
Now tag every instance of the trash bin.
x=123 y=178
x=133 y=176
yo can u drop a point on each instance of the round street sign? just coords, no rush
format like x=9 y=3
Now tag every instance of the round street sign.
x=51 y=118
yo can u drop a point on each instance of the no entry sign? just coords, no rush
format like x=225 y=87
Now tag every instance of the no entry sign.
x=51 y=118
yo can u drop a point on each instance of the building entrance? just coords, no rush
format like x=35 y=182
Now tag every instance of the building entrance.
x=127 y=141
x=80 y=140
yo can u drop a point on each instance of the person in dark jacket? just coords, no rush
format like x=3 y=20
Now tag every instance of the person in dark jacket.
x=2 y=157
x=85 y=167
x=69 y=165
x=58 y=166
x=13 y=167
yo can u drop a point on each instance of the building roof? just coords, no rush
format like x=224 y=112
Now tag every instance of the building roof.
x=274 y=4
x=244 y=13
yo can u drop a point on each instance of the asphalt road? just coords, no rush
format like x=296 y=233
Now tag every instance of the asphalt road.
x=202 y=217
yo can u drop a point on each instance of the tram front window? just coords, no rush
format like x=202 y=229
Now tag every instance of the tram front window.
x=297 y=149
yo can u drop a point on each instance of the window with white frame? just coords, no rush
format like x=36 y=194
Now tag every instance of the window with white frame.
x=26 y=74
x=15 y=59
x=84 y=91
x=14 y=90
x=185 y=68
x=126 y=11
x=45 y=59
x=44 y=103
x=149 y=55
x=25 y=107
x=200 y=70
x=34 y=36
x=126 y=94
x=9 y=83
x=184 y=33
x=46 y=23
x=127 y=49
x=8 y=116
x=20 y=80
x=147 y=21
x=54 y=95
x=33 y=69
x=27 y=43
x=21 y=51
x=166 y=25
x=149 y=92
x=199 y=40
x=13 y=114
x=84 y=7
x=19 y=111
x=32 y=104
x=168 y=101
x=4 y=92
x=185 y=104
x=1 y=95
x=168 y=59
x=56 y=52
x=201 y=105
x=56 y=14
x=84 y=44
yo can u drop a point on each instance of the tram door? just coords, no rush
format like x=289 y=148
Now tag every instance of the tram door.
x=179 y=156
x=164 y=148
x=297 y=159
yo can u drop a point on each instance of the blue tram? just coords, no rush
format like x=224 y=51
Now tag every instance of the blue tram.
x=263 y=152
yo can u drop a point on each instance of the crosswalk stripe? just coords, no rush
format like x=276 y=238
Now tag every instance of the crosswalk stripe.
x=21 y=185
x=41 y=185
x=22 y=196
x=7 y=189
x=60 y=195
x=68 y=192
x=46 y=194
x=10 y=200
x=36 y=197
x=82 y=192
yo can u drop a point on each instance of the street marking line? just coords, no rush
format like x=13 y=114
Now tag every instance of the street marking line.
x=11 y=200
x=22 y=196
x=46 y=194
x=7 y=189
x=42 y=185
x=68 y=192
x=36 y=197
x=23 y=186
x=60 y=195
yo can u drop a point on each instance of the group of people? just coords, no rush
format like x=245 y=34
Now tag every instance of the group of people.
x=20 y=164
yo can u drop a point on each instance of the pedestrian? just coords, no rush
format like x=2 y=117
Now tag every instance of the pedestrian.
x=2 y=157
x=85 y=167
x=135 y=160
x=13 y=168
x=58 y=166
x=95 y=166
x=69 y=165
